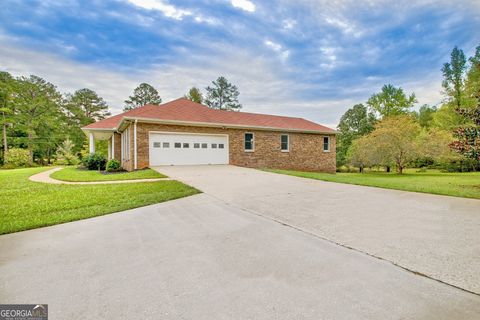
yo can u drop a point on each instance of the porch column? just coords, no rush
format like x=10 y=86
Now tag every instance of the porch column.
x=135 y=145
x=92 y=143
x=109 y=150
x=113 y=145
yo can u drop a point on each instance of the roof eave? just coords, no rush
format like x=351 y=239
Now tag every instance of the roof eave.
x=220 y=125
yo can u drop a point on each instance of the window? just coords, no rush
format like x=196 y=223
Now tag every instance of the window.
x=326 y=144
x=204 y=145
x=156 y=144
x=196 y=145
x=186 y=145
x=284 y=142
x=178 y=145
x=166 y=145
x=249 y=142
x=221 y=146
x=214 y=146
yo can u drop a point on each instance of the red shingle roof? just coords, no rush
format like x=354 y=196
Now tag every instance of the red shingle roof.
x=184 y=110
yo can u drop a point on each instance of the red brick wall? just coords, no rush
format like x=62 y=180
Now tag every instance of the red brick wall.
x=306 y=149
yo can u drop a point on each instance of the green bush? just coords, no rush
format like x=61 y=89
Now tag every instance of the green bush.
x=17 y=157
x=113 y=165
x=64 y=155
x=94 y=162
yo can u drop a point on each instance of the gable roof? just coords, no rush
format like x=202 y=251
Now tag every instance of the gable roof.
x=185 y=112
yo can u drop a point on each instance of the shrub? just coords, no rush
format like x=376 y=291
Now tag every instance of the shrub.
x=94 y=162
x=65 y=155
x=17 y=157
x=113 y=165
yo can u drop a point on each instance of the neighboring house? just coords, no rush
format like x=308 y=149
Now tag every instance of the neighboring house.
x=182 y=132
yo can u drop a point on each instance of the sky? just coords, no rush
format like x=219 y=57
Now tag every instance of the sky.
x=304 y=58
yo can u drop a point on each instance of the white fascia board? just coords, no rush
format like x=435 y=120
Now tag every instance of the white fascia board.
x=219 y=125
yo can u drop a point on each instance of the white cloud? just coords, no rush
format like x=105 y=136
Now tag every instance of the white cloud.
x=288 y=24
x=244 y=5
x=167 y=9
x=264 y=86
x=283 y=54
x=273 y=45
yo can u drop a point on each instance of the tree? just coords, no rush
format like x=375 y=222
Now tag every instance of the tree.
x=6 y=107
x=355 y=122
x=83 y=107
x=194 y=95
x=37 y=112
x=453 y=76
x=65 y=155
x=142 y=95
x=467 y=136
x=425 y=115
x=391 y=101
x=394 y=140
x=223 y=95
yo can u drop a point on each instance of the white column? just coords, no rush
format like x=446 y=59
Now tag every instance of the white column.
x=135 y=145
x=92 y=143
x=113 y=145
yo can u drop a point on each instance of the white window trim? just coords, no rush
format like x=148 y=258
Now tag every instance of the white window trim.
x=288 y=142
x=253 y=142
x=323 y=143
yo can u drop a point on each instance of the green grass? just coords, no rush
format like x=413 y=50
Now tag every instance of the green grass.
x=465 y=185
x=74 y=174
x=26 y=205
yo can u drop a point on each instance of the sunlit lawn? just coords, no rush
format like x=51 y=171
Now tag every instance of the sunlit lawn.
x=74 y=174
x=465 y=184
x=26 y=205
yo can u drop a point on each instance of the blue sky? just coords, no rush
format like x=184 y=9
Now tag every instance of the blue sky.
x=312 y=59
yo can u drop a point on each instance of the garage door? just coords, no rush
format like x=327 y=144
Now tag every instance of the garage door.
x=188 y=148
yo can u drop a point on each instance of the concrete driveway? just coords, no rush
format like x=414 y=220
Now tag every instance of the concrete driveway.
x=210 y=256
x=433 y=235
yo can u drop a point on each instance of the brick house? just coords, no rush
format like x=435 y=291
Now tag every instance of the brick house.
x=182 y=132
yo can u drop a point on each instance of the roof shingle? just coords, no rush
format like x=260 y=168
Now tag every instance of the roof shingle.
x=184 y=110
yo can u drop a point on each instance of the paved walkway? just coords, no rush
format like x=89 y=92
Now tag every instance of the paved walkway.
x=437 y=236
x=45 y=178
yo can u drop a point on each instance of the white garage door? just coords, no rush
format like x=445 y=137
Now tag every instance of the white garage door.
x=187 y=148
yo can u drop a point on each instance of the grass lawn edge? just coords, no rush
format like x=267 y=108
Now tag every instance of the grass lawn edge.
x=301 y=174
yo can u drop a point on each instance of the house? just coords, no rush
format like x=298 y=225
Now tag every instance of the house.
x=182 y=132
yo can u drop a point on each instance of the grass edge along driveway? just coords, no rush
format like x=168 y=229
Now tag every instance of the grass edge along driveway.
x=25 y=204
x=73 y=174
x=466 y=184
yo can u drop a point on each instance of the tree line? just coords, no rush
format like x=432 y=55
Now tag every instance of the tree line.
x=39 y=124
x=386 y=131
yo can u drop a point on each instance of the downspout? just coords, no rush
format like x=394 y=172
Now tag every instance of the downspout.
x=135 y=145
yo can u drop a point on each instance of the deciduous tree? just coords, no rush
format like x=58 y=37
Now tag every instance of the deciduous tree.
x=454 y=76
x=391 y=101
x=355 y=122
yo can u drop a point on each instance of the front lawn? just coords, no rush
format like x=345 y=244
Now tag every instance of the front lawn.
x=451 y=184
x=74 y=174
x=26 y=205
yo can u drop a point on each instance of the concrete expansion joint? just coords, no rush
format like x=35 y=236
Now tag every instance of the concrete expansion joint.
x=286 y=224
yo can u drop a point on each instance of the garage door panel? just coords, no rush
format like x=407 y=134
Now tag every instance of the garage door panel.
x=188 y=149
